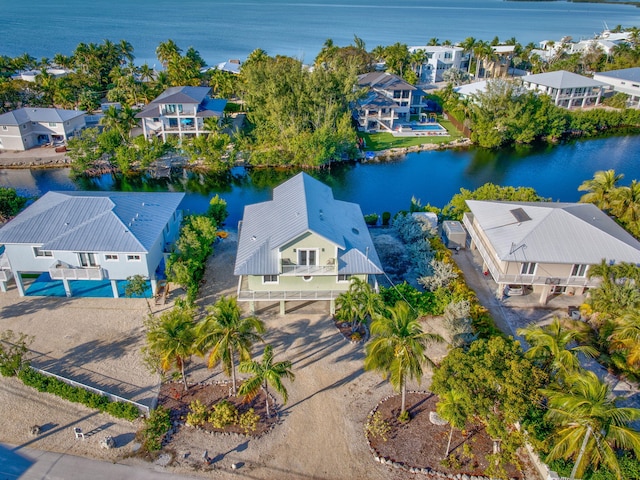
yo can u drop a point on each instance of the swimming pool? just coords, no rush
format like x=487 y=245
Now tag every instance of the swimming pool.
x=425 y=127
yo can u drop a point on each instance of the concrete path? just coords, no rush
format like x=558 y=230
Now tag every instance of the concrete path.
x=29 y=464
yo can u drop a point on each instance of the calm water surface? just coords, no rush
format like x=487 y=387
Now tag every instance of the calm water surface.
x=433 y=177
x=222 y=29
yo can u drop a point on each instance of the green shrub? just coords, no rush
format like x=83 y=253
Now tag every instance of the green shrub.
x=13 y=348
x=155 y=428
x=404 y=417
x=197 y=415
x=377 y=426
x=386 y=217
x=371 y=219
x=224 y=413
x=248 y=421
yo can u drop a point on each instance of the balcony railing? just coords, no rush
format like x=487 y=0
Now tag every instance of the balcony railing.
x=66 y=272
x=273 y=295
x=520 y=279
x=308 y=270
x=5 y=269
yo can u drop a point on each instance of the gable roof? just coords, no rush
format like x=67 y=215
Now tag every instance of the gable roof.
x=206 y=106
x=630 y=74
x=562 y=79
x=384 y=81
x=93 y=221
x=303 y=205
x=30 y=114
x=566 y=233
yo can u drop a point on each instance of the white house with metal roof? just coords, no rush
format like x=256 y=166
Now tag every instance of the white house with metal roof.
x=180 y=111
x=29 y=127
x=547 y=246
x=437 y=60
x=566 y=89
x=626 y=80
x=302 y=245
x=101 y=236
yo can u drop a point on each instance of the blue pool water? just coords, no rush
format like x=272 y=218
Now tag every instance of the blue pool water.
x=430 y=127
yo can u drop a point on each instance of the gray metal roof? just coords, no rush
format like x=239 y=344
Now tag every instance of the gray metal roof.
x=562 y=79
x=30 y=114
x=568 y=233
x=384 y=81
x=630 y=74
x=300 y=206
x=93 y=221
x=184 y=95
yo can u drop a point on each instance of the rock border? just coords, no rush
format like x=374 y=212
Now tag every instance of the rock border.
x=410 y=468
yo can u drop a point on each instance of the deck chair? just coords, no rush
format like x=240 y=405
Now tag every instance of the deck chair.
x=78 y=432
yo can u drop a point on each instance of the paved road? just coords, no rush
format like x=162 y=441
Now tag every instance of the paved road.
x=29 y=464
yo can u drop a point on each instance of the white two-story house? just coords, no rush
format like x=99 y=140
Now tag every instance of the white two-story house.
x=97 y=236
x=626 y=80
x=566 y=89
x=302 y=246
x=180 y=112
x=438 y=59
x=29 y=127
x=388 y=102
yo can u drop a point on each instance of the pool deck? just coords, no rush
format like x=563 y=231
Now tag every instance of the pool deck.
x=406 y=130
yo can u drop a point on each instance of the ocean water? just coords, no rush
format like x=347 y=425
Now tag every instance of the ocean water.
x=223 y=29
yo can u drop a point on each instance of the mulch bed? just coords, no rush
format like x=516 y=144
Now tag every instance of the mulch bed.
x=345 y=329
x=173 y=397
x=420 y=443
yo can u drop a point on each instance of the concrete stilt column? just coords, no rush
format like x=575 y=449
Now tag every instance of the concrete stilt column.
x=282 y=308
x=544 y=294
x=252 y=307
x=500 y=290
x=3 y=286
x=19 y=283
x=114 y=289
x=67 y=287
x=332 y=307
x=154 y=287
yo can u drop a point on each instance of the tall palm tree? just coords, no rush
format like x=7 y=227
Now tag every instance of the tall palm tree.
x=590 y=426
x=450 y=407
x=397 y=348
x=552 y=345
x=358 y=303
x=625 y=203
x=266 y=373
x=166 y=51
x=601 y=188
x=626 y=337
x=468 y=45
x=481 y=50
x=171 y=339
x=224 y=333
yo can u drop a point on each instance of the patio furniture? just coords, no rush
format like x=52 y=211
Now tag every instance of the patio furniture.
x=78 y=433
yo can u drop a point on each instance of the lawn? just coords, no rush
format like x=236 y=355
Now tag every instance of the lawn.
x=383 y=141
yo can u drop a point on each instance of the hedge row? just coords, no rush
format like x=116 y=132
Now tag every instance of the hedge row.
x=44 y=383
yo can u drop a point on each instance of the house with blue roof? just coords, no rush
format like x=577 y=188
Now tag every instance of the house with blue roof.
x=180 y=111
x=30 y=127
x=303 y=245
x=90 y=236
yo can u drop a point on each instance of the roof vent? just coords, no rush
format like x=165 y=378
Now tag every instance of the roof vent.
x=520 y=215
x=254 y=238
x=355 y=231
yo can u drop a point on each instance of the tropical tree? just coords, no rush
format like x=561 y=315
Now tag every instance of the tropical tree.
x=625 y=337
x=171 y=340
x=625 y=204
x=224 y=333
x=600 y=189
x=398 y=348
x=358 y=303
x=451 y=408
x=137 y=285
x=553 y=345
x=590 y=425
x=468 y=46
x=264 y=374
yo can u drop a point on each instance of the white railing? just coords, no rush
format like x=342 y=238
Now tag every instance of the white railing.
x=111 y=396
x=71 y=273
x=253 y=295
x=5 y=275
x=308 y=270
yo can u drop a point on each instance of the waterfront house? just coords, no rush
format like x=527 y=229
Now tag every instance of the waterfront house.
x=180 y=112
x=98 y=236
x=388 y=103
x=566 y=89
x=30 y=127
x=302 y=245
x=438 y=59
x=544 y=246
x=626 y=80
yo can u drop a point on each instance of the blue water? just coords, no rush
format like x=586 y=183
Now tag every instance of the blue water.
x=433 y=177
x=431 y=127
x=223 y=29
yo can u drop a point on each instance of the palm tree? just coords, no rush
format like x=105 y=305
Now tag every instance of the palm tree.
x=266 y=373
x=590 y=427
x=481 y=51
x=224 y=333
x=626 y=337
x=625 y=203
x=469 y=45
x=171 y=339
x=450 y=407
x=551 y=345
x=166 y=51
x=358 y=303
x=601 y=188
x=397 y=348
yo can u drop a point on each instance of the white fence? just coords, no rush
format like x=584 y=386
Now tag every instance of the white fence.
x=115 y=398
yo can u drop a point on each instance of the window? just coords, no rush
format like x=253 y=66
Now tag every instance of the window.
x=133 y=258
x=270 y=279
x=111 y=257
x=579 y=270
x=53 y=124
x=307 y=278
x=24 y=126
x=528 y=268
x=5 y=128
x=397 y=93
x=307 y=257
x=87 y=259
x=42 y=253
x=344 y=278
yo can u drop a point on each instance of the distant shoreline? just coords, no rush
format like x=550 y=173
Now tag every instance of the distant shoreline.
x=610 y=2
